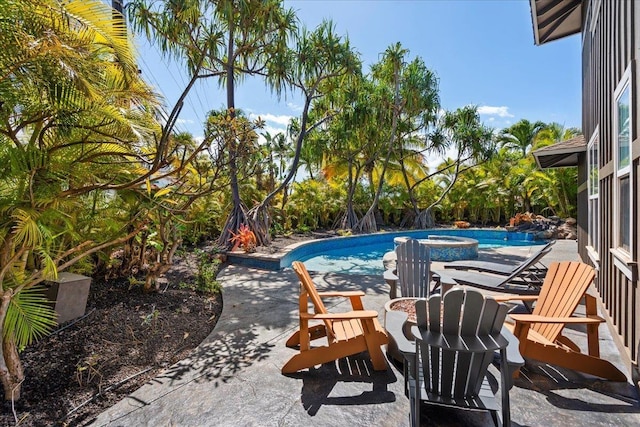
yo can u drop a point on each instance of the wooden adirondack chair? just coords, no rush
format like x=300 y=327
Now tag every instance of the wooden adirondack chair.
x=347 y=333
x=413 y=269
x=540 y=333
x=456 y=337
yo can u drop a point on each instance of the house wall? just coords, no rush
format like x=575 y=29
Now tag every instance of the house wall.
x=610 y=47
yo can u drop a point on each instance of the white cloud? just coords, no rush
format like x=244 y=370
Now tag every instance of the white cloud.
x=273 y=131
x=494 y=111
x=294 y=107
x=271 y=118
x=185 y=121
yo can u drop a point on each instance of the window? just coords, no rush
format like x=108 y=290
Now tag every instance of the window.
x=593 y=186
x=622 y=147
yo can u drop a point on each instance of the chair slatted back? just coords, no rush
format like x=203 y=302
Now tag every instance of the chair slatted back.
x=413 y=268
x=564 y=285
x=468 y=323
x=308 y=292
x=530 y=262
x=537 y=256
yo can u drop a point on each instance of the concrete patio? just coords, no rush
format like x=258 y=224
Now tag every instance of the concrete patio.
x=234 y=379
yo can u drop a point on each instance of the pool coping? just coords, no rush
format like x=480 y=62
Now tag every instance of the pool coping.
x=282 y=259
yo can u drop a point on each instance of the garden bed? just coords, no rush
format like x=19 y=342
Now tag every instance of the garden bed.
x=125 y=339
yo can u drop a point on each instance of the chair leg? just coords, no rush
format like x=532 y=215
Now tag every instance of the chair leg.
x=506 y=382
x=414 y=404
x=315 y=332
x=572 y=360
x=496 y=420
x=375 y=350
x=414 y=391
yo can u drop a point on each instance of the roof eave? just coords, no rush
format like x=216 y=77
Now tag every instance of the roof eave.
x=559 y=18
x=561 y=154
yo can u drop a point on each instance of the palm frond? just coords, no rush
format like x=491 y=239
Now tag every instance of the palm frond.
x=29 y=316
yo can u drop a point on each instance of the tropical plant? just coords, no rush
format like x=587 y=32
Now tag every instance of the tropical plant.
x=74 y=119
x=462 y=131
x=559 y=185
x=521 y=136
x=244 y=238
x=226 y=40
x=317 y=65
x=414 y=104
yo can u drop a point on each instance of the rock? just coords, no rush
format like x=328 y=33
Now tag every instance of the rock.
x=544 y=234
x=526 y=226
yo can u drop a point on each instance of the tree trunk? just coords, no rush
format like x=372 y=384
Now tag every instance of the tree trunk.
x=236 y=217
x=259 y=215
x=11 y=370
x=350 y=218
x=425 y=219
x=238 y=212
x=368 y=222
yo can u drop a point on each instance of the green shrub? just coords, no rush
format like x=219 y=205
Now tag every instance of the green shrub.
x=208 y=268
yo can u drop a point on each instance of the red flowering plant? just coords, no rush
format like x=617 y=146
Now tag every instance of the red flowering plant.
x=244 y=238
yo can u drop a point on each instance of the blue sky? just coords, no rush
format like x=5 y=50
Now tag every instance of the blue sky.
x=481 y=50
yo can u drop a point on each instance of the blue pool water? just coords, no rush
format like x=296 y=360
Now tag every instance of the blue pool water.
x=363 y=254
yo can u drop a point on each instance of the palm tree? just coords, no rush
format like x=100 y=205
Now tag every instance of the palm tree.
x=558 y=186
x=471 y=140
x=414 y=105
x=68 y=134
x=319 y=63
x=520 y=136
x=226 y=40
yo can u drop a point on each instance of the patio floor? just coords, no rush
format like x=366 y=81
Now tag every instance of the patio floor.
x=234 y=378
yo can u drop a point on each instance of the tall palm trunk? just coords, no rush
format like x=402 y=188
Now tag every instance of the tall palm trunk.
x=238 y=215
x=350 y=218
x=367 y=223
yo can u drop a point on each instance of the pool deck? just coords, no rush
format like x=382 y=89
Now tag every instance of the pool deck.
x=233 y=378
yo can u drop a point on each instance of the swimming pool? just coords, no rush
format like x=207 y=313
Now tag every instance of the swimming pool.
x=363 y=254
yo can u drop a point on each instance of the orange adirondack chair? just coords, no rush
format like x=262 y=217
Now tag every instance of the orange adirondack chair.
x=347 y=333
x=540 y=333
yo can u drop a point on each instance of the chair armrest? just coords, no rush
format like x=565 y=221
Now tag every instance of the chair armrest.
x=349 y=315
x=514 y=358
x=346 y=294
x=390 y=275
x=505 y=298
x=394 y=324
x=530 y=318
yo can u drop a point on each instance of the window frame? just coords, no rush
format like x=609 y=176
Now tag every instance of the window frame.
x=593 y=195
x=623 y=258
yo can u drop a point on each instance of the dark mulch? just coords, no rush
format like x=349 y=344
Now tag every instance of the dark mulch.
x=126 y=338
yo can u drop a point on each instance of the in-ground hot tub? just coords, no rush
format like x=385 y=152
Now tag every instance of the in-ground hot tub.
x=447 y=248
